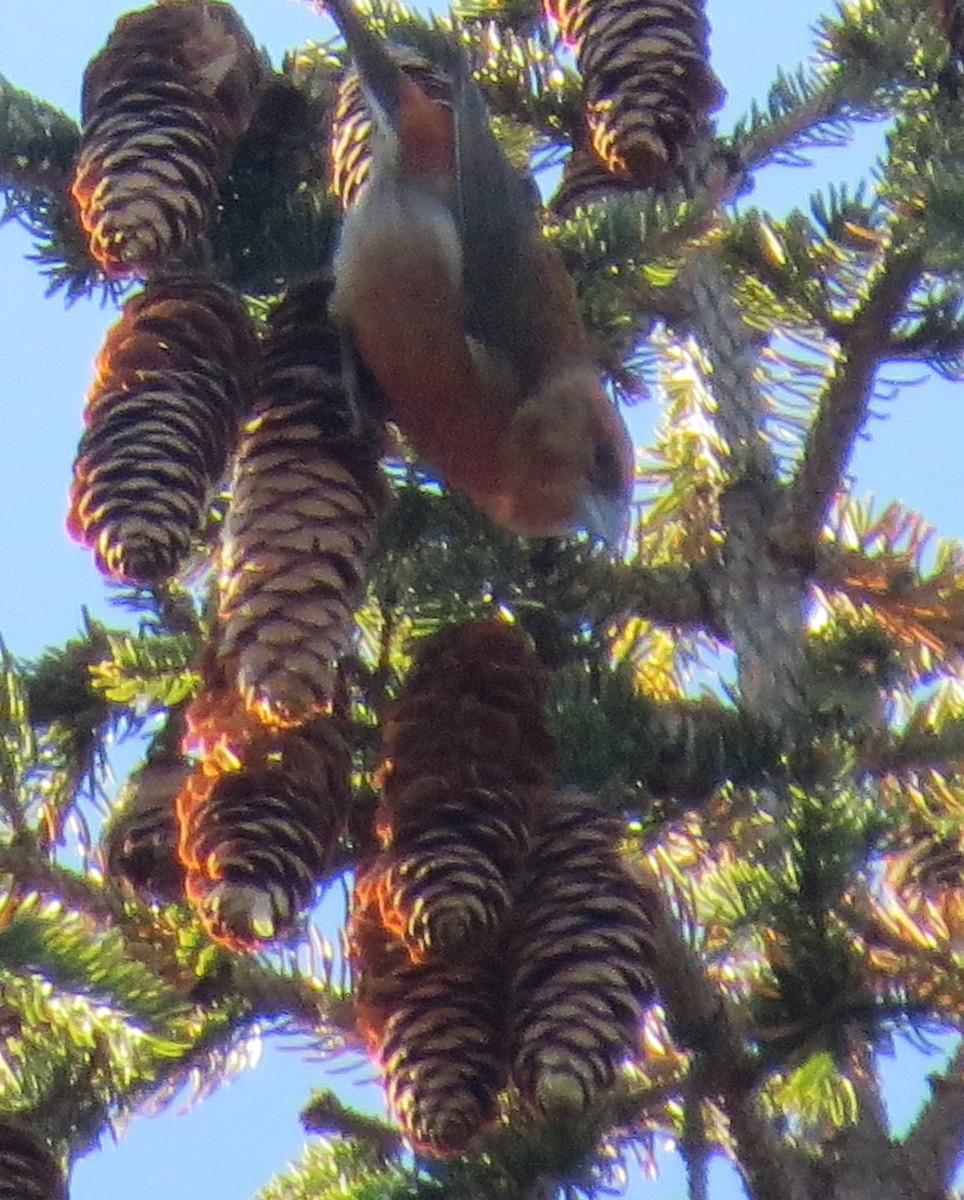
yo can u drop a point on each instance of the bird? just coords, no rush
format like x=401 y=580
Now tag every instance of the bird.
x=464 y=313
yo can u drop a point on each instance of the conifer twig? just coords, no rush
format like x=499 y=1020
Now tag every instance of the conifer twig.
x=37 y=142
x=846 y=397
x=700 y=1019
x=826 y=103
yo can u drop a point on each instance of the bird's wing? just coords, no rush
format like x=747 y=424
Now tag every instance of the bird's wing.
x=496 y=219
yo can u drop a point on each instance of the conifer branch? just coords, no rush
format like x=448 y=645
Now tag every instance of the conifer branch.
x=33 y=873
x=868 y=1139
x=264 y=993
x=668 y=595
x=843 y=406
x=935 y=1144
x=728 y=344
x=786 y=132
x=699 y=1018
x=37 y=142
x=761 y=600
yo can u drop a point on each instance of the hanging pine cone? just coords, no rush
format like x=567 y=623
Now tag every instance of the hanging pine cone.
x=577 y=959
x=139 y=843
x=307 y=496
x=435 y=1030
x=349 y=153
x=257 y=839
x=469 y=761
x=163 y=105
x=161 y=419
x=28 y=1171
x=647 y=81
x=585 y=178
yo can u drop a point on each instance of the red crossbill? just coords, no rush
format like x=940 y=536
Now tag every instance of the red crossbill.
x=465 y=314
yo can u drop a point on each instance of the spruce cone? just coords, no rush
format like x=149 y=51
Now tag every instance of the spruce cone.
x=585 y=178
x=577 y=960
x=140 y=841
x=447 y=885
x=161 y=419
x=163 y=104
x=434 y=1029
x=349 y=152
x=256 y=840
x=469 y=761
x=647 y=80
x=28 y=1171
x=307 y=497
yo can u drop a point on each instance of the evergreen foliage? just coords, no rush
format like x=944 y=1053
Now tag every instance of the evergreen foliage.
x=761 y=700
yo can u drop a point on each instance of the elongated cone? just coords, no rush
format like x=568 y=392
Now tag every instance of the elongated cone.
x=647 y=80
x=578 y=961
x=162 y=416
x=468 y=764
x=164 y=103
x=256 y=840
x=585 y=178
x=28 y=1170
x=140 y=840
x=349 y=148
x=433 y=1028
x=307 y=496
x=465 y=313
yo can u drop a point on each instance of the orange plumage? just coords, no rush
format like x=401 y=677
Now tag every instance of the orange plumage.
x=466 y=316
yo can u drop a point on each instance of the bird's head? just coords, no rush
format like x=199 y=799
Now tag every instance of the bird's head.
x=569 y=460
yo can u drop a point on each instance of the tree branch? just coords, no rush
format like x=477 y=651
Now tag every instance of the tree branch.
x=935 y=1144
x=699 y=1018
x=843 y=406
x=37 y=142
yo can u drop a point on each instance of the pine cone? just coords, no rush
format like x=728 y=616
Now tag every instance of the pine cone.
x=28 y=1170
x=163 y=105
x=434 y=1029
x=647 y=81
x=257 y=839
x=585 y=178
x=307 y=496
x=139 y=843
x=161 y=419
x=447 y=883
x=349 y=152
x=469 y=760
x=577 y=961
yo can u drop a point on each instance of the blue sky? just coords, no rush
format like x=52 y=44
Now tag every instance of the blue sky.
x=231 y=1144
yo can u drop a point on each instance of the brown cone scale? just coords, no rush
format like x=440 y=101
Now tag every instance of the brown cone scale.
x=161 y=418
x=307 y=496
x=647 y=82
x=468 y=764
x=140 y=841
x=259 y=833
x=435 y=1030
x=28 y=1170
x=578 y=961
x=163 y=105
